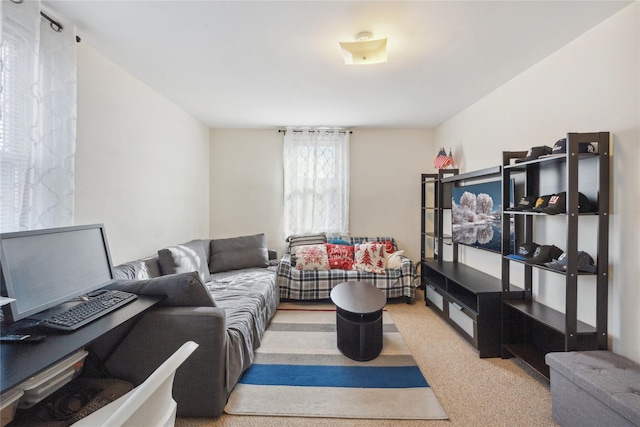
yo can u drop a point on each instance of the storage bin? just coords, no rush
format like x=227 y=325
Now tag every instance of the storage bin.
x=461 y=319
x=51 y=379
x=9 y=404
x=435 y=297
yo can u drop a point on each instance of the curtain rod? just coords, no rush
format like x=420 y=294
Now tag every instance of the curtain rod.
x=55 y=25
x=314 y=130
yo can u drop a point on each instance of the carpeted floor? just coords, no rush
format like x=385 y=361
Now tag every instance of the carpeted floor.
x=473 y=391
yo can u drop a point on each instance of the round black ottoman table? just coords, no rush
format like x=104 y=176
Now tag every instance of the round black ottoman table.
x=359 y=319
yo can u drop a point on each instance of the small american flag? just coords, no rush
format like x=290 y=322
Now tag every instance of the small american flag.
x=442 y=160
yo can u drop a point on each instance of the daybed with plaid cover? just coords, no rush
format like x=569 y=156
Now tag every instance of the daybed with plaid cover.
x=305 y=285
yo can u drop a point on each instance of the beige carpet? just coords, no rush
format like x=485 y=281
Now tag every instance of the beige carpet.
x=472 y=391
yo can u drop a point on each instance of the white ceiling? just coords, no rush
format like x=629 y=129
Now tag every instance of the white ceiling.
x=265 y=64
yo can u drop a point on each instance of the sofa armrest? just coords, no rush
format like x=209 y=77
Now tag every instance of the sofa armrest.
x=284 y=266
x=406 y=261
x=407 y=265
x=199 y=386
x=409 y=270
x=144 y=268
x=286 y=259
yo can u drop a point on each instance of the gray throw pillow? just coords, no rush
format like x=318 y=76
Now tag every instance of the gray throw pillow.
x=184 y=258
x=238 y=252
x=181 y=290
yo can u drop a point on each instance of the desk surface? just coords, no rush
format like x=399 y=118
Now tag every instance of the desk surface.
x=21 y=361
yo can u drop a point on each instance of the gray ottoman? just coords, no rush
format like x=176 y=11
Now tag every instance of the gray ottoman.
x=594 y=388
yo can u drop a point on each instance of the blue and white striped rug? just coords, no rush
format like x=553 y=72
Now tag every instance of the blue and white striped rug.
x=299 y=371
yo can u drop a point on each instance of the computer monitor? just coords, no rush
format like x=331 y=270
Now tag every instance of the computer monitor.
x=44 y=268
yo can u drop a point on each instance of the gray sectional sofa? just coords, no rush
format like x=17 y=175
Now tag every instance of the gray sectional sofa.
x=220 y=293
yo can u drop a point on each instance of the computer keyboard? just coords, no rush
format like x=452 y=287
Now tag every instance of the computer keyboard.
x=88 y=311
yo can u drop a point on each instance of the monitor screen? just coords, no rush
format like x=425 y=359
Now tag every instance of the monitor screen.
x=476 y=217
x=44 y=268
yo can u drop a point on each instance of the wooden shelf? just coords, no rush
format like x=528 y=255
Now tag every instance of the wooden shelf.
x=547 y=316
x=560 y=215
x=473 y=280
x=544 y=267
x=545 y=160
x=531 y=356
x=482 y=173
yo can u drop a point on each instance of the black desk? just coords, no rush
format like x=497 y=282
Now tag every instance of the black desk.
x=19 y=362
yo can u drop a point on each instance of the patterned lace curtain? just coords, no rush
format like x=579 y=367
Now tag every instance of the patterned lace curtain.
x=316 y=181
x=38 y=120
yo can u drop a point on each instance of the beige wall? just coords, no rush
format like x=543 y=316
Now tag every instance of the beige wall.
x=386 y=165
x=247 y=182
x=142 y=163
x=590 y=85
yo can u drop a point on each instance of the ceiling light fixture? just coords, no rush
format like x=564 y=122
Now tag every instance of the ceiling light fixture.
x=365 y=50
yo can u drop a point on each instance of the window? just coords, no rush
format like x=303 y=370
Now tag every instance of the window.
x=37 y=120
x=316 y=181
x=14 y=156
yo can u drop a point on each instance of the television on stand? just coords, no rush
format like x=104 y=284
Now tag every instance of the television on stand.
x=476 y=216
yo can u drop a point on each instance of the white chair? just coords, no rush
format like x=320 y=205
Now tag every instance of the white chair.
x=149 y=404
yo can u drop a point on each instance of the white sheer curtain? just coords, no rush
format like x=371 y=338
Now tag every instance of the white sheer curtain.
x=316 y=181
x=38 y=120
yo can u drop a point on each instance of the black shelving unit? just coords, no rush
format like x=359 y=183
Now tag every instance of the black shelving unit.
x=428 y=212
x=531 y=329
x=433 y=202
x=467 y=298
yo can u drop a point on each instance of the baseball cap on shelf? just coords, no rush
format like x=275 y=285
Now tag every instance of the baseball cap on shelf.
x=544 y=254
x=558 y=204
x=535 y=153
x=526 y=250
x=560 y=148
x=585 y=263
x=526 y=203
x=542 y=202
